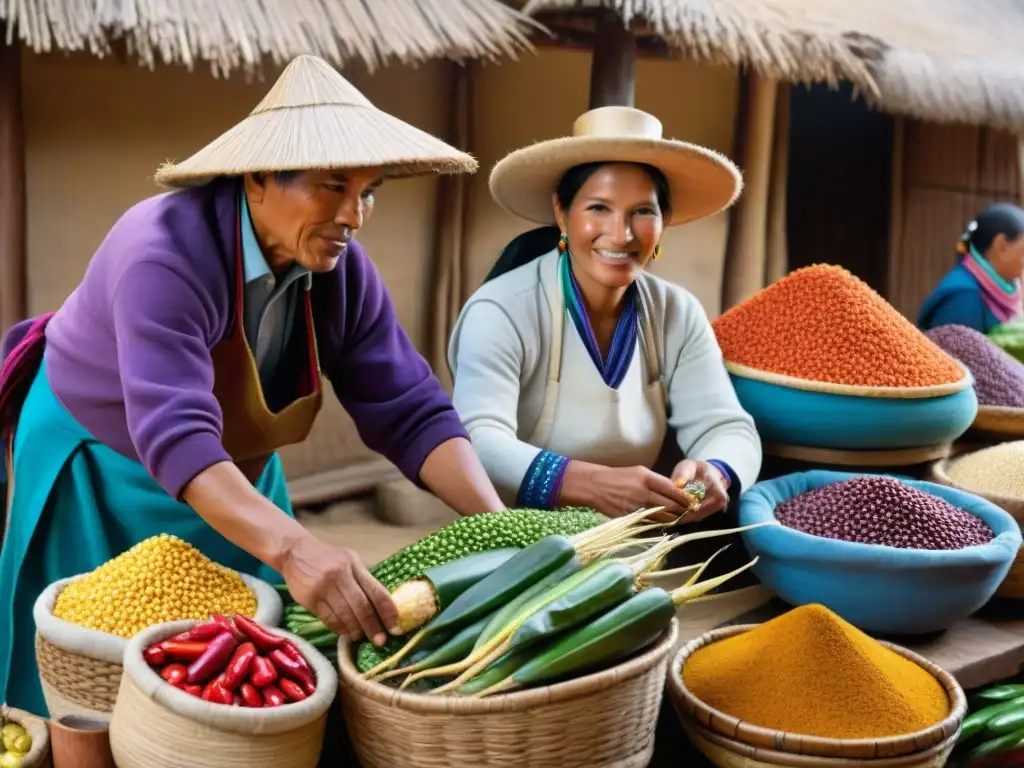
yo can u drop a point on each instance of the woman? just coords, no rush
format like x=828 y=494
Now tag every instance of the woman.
x=155 y=398
x=983 y=289
x=572 y=362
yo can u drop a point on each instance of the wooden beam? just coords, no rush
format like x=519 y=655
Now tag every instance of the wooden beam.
x=613 y=68
x=13 y=306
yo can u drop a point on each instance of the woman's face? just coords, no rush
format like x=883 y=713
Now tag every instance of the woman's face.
x=308 y=218
x=1007 y=256
x=613 y=225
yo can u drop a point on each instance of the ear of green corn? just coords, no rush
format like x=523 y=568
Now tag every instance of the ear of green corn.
x=616 y=634
x=498 y=671
x=454 y=649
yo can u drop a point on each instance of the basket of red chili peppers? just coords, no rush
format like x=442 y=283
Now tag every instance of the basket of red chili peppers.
x=236 y=692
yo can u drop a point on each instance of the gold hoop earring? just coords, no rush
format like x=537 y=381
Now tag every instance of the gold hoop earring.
x=657 y=251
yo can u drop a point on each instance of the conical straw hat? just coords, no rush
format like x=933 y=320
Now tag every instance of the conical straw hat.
x=313 y=118
x=701 y=181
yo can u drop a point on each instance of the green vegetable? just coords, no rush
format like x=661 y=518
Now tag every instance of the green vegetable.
x=977 y=721
x=502 y=616
x=498 y=671
x=616 y=634
x=1007 y=722
x=995 y=746
x=419 y=600
x=519 y=573
x=1001 y=692
x=457 y=647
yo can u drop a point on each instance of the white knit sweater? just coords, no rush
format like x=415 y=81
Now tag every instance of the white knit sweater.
x=499 y=354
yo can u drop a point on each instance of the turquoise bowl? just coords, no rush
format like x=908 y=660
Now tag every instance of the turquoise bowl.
x=879 y=589
x=848 y=422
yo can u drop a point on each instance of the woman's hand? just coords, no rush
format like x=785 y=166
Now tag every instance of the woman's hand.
x=617 y=491
x=716 y=497
x=334 y=584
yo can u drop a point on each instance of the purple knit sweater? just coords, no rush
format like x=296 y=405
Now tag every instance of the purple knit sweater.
x=129 y=351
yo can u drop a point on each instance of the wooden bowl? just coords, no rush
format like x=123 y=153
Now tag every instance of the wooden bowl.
x=692 y=709
x=999 y=421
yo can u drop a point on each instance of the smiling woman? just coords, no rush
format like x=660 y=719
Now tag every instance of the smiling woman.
x=577 y=412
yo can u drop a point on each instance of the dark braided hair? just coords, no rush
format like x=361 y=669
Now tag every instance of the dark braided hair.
x=998 y=219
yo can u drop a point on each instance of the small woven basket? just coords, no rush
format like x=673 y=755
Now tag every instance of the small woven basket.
x=765 y=745
x=1001 y=422
x=80 y=668
x=156 y=725
x=1013 y=585
x=39 y=755
x=603 y=720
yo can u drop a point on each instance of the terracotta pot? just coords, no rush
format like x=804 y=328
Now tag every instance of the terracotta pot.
x=80 y=742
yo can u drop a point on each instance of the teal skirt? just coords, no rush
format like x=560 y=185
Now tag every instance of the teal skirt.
x=75 y=505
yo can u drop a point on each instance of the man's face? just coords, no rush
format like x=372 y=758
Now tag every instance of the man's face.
x=308 y=217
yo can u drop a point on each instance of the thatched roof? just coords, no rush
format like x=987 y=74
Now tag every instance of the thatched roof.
x=241 y=34
x=939 y=60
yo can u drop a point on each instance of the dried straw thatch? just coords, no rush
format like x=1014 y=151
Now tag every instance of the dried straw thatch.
x=939 y=60
x=241 y=34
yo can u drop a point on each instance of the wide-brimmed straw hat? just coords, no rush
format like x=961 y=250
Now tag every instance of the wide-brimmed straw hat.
x=313 y=118
x=701 y=181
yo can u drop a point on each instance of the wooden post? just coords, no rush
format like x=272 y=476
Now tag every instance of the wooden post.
x=613 y=68
x=12 y=186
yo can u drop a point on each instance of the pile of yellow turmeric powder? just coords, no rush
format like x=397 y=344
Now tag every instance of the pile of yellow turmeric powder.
x=811 y=673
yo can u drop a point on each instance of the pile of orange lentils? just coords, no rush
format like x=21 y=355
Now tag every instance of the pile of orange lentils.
x=823 y=324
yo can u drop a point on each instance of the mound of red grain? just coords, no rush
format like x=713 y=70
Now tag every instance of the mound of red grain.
x=823 y=324
x=882 y=510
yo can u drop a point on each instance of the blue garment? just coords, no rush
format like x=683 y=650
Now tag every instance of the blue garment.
x=270 y=303
x=76 y=504
x=957 y=300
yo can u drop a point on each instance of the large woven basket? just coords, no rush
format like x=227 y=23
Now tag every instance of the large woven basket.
x=602 y=720
x=80 y=668
x=1013 y=585
x=761 y=744
x=39 y=755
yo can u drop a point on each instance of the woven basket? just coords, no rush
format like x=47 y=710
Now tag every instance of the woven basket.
x=828 y=388
x=896 y=457
x=1013 y=585
x=39 y=755
x=80 y=668
x=1007 y=423
x=156 y=725
x=603 y=720
x=729 y=753
x=692 y=710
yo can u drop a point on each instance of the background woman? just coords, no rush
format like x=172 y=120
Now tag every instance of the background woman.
x=571 y=362
x=984 y=289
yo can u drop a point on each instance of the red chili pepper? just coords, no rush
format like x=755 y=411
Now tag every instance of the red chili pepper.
x=291 y=689
x=206 y=632
x=263 y=639
x=262 y=672
x=238 y=667
x=224 y=621
x=309 y=688
x=184 y=651
x=289 y=668
x=155 y=656
x=214 y=692
x=193 y=690
x=213 y=661
x=174 y=674
x=272 y=697
x=250 y=696
x=295 y=655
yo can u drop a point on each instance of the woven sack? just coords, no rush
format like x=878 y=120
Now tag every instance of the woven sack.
x=156 y=725
x=80 y=668
x=39 y=755
x=1013 y=585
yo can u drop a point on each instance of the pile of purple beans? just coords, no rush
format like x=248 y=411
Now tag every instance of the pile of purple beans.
x=998 y=377
x=882 y=510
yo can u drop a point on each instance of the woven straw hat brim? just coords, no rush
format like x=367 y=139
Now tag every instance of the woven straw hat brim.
x=701 y=181
x=318 y=137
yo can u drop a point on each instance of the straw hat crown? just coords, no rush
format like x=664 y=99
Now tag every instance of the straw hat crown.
x=701 y=181
x=313 y=118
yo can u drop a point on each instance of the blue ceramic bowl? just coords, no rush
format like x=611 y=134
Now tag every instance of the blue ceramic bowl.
x=879 y=589
x=847 y=422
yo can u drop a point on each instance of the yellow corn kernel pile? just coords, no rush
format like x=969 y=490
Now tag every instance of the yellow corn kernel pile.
x=158 y=580
x=997 y=470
